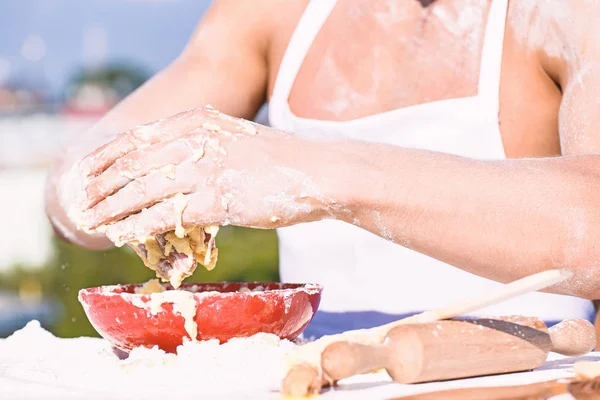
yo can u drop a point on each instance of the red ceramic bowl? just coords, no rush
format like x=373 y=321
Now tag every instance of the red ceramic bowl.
x=222 y=311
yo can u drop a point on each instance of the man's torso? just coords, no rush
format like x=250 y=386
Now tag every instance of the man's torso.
x=373 y=56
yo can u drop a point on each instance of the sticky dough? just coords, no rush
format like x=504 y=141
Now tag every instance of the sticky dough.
x=174 y=258
x=174 y=255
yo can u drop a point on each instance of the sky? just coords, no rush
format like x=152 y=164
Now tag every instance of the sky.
x=48 y=40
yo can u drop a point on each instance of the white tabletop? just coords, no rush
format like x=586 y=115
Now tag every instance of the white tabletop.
x=372 y=386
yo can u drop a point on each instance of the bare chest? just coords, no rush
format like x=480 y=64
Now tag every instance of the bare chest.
x=373 y=56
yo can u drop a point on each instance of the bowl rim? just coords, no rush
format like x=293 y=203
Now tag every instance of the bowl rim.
x=111 y=290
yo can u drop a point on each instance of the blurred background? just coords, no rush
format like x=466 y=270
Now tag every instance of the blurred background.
x=63 y=64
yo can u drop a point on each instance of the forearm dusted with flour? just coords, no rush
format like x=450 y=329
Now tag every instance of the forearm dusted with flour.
x=498 y=219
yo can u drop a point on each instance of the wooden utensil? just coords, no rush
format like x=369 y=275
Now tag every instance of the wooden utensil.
x=459 y=349
x=580 y=389
x=305 y=375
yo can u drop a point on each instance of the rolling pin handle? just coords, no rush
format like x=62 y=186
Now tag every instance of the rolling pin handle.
x=573 y=337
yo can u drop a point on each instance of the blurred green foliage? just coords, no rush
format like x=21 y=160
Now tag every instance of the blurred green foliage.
x=124 y=78
x=244 y=255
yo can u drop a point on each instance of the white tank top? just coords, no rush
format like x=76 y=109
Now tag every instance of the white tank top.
x=361 y=271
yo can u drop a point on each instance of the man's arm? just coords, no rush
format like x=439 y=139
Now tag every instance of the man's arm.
x=498 y=219
x=224 y=64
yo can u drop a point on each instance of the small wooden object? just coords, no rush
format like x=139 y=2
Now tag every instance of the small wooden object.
x=534 y=391
x=586 y=389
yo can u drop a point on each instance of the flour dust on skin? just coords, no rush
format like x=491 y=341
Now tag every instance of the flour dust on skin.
x=548 y=25
x=293 y=195
x=396 y=32
x=581 y=98
x=463 y=22
x=66 y=181
x=565 y=31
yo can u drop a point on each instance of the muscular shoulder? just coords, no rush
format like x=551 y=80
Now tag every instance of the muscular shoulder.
x=257 y=30
x=564 y=34
x=253 y=23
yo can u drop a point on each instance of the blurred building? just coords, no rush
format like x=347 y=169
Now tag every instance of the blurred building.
x=89 y=100
x=18 y=100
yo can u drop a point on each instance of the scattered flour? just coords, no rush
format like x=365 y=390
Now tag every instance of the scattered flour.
x=34 y=359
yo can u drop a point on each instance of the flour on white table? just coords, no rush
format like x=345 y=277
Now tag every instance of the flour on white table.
x=34 y=364
x=251 y=365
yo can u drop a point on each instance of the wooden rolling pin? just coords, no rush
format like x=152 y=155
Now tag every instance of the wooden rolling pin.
x=305 y=375
x=460 y=348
